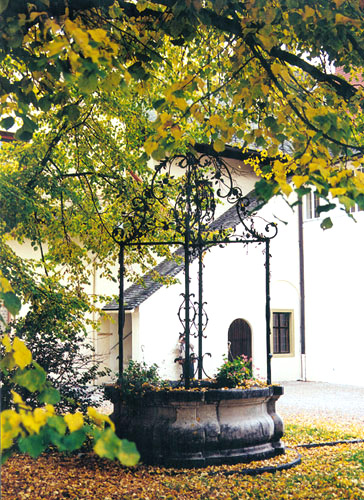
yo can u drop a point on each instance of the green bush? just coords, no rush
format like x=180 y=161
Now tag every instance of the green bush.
x=137 y=378
x=235 y=373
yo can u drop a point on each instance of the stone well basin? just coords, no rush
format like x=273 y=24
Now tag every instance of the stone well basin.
x=194 y=429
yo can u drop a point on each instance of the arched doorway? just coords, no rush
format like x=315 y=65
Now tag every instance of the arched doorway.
x=240 y=339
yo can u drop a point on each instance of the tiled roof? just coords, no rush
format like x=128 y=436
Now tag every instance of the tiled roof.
x=136 y=294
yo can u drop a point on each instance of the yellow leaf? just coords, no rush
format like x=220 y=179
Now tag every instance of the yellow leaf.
x=74 y=59
x=100 y=448
x=99 y=418
x=6 y=342
x=17 y=398
x=150 y=146
x=56 y=47
x=340 y=19
x=337 y=191
x=215 y=120
x=51 y=24
x=276 y=68
x=165 y=117
x=31 y=424
x=10 y=427
x=40 y=416
x=49 y=409
x=180 y=103
x=98 y=35
x=22 y=355
x=285 y=187
x=267 y=41
x=299 y=180
x=74 y=421
x=141 y=5
x=309 y=12
x=219 y=145
x=34 y=15
x=5 y=285
x=70 y=25
x=176 y=132
x=81 y=37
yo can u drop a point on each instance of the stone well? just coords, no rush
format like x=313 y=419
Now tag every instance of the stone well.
x=198 y=428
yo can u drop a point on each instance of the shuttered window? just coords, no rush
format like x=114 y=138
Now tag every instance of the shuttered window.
x=281 y=332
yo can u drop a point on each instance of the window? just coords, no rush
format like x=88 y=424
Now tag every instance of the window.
x=312 y=203
x=282 y=330
x=356 y=208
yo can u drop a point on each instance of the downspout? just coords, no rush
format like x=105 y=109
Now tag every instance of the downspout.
x=93 y=313
x=302 y=293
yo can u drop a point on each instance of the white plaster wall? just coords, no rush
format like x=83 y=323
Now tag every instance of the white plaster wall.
x=158 y=330
x=285 y=283
x=107 y=343
x=334 y=275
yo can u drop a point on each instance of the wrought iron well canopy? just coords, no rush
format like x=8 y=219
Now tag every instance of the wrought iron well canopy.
x=186 y=190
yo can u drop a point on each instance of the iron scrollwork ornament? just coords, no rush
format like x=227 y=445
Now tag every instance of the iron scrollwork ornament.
x=185 y=190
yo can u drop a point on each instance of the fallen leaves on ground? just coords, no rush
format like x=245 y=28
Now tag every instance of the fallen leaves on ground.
x=325 y=473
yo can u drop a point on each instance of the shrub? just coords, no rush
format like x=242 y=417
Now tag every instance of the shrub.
x=68 y=361
x=137 y=378
x=235 y=373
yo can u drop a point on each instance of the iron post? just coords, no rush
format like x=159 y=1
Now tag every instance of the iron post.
x=121 y=315
x=200 y=307
x=267 y=310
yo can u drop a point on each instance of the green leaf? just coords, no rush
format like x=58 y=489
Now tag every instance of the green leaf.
x=5 y=454
x=128 y=454
x=110 y=446
x=11 y=302
x=7 y=363
x=7 y=122
x=32 y=379
x=74 y=440
x=3 y=5
x=33 y=445
x=72 y=112
x=264 y=189
x=56 y=422
x=88 y=83
x=326 y=223
x=158 y=154
x=158 y=103
x=23 y=134
x=50 y=396
x=347 y=202
x=325 y=208
x=45 y=103
x=271 y=122
x=137 y=71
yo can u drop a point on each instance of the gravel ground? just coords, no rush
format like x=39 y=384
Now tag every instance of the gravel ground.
x=321 y=399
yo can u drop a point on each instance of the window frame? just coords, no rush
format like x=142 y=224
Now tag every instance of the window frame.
x=291 y=336
x=312 y=202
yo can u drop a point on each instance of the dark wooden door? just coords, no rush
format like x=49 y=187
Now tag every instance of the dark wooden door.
x=240 y=339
